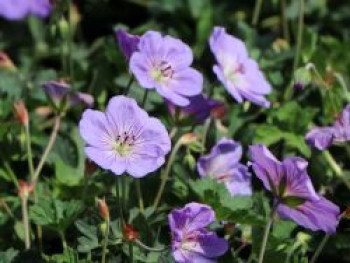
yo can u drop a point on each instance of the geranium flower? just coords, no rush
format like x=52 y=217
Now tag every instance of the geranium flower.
x=60 y=92
x=163 y=63
x=198 y=110
x=191 y=242
x=239 y=74
x=295 y=196
x=127 y=42
x=222 y=163
x=19 y=9
x=323 y=137
x=124 y=139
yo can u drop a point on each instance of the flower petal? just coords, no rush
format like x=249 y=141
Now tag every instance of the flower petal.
x=187 y=82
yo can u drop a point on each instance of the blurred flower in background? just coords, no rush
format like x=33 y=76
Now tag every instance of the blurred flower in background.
x=20 y=9
x=239 y=74
x=128 y=43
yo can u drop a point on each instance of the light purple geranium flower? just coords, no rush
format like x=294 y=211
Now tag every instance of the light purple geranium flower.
x=191 y=242
x=294 y=193
x=199 y=109
x=19 y=9
x=222 y=163
x=163 y=63
x=60 y=92
x=239 y=74
x=323 y=137
x=124 y=138
x=127 y=42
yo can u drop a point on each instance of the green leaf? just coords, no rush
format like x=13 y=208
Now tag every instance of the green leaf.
x=267 y=134
x=89 y=241
x=8 y=256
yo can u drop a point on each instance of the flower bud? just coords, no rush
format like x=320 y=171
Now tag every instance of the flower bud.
x=347 y=212
x=6 y=62
x=188 y=138
x=103 y=209
x=219 y=111
x=21 y=112
x=63 y=27
x=129 y=233
x=302 y=78
x=25 y=189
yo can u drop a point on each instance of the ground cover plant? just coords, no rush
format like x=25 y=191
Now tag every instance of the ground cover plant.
x=174 y=131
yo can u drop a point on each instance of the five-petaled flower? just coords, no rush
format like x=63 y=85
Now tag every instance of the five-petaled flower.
x=323 y=137
x=191 y=241
x=19 y=9
x=239 y=74
x=295 y=196
x=222 y=163
x=124 y=138
x=163 y=63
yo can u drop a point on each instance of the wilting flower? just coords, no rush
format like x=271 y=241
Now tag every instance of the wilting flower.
x=239 y=74
x=222 y=164
x=191 y=242
x=21 y=112
x=163 y=63
x=19 y=9
x=59 y=92
x=323 y=137
x=197 y=111
x=124 y=138
x=295 y=196
x=127 y=42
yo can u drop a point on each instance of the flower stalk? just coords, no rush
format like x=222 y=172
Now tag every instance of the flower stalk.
x=335 y=167
x=25 y=221
x=257 y=10
x=105 y=241
x=266 y=234
x=319 y=249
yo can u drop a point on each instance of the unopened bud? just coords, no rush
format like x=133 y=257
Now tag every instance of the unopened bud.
x=25 y=188
x=6 y=62
x=90 y=168
x=21 y=112
x=188 y=138
x=346 y=213
x=302 y=78
x=280 y=45
x=219 y=111
x=103 y=209
x=129 y=233
x=63 y=27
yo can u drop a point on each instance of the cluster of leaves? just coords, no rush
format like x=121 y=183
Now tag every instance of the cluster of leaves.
x=66 y=210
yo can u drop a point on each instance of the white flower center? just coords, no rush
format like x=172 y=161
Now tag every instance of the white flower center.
x=162 y=72
x=124 y=143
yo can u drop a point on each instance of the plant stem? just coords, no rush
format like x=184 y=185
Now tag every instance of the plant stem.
x=165 y=175
x=205 y=133
x=29 y=152
x=25 y=221
x=105 y=242
x=3 y=203
x=284 y=21
x=128 y=86
x=257 y=10
x=266 y=234
x=144 y=99
x=64 y=242
x=11 y=173
x=131 y=252
x=139 y=195
x=319 y=249
x=70 y=43
x=300 y=34
x=336 y=168
x=145 y=247
x=48 y=148
x=119 y=201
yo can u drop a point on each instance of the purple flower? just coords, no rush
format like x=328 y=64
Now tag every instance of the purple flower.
x=59 y=92
x=292 y=188
x=19 y=9
x=124 y=138
x=239 y=74
x=191 y=242
x=199 y=109
x=222 y=163
x=323 y=137
x=320 y=138
x=163 y=63
x=127 y=42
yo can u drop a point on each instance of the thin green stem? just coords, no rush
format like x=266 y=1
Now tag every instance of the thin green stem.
x=206 y=129
x=144 y=99
x=335 y=167
x=131 y=252
x=147 y=248
x=105 y=242
x=284 y=18
x=11 y=173
x=47 y=150
x=119 y=201
x=128 y=86
x=70 y=43
x=4 y=204
x=165 y=174
x=257 y=10
x=139 y=195
x=319 y=249
x=25 y=221
x=266 y=234
x=64 y=241
x=29 y=152
x=300 y=34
